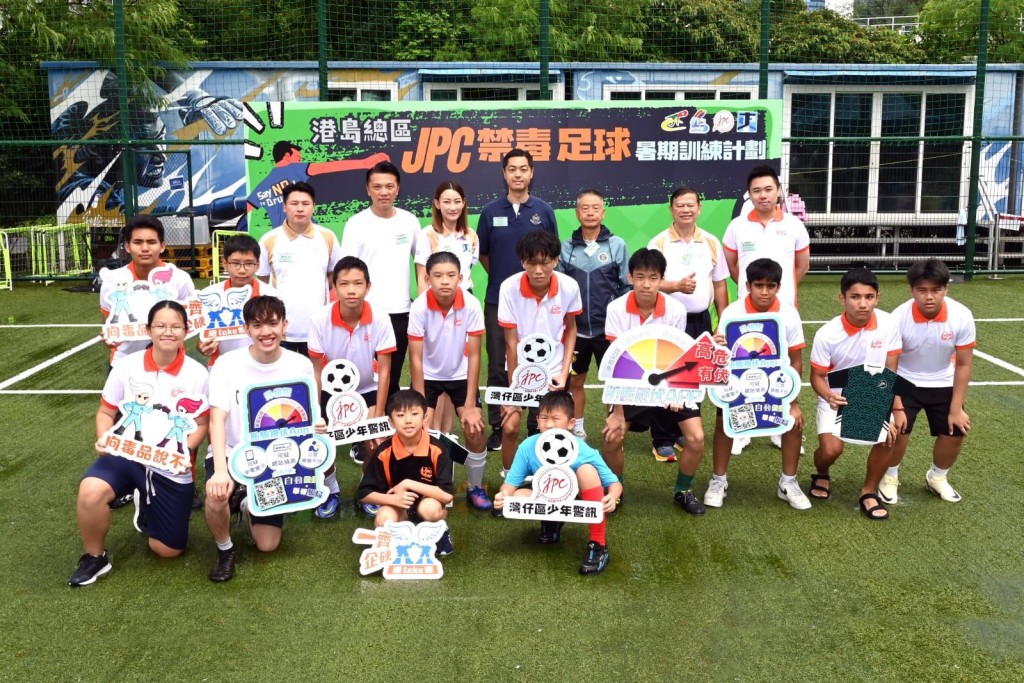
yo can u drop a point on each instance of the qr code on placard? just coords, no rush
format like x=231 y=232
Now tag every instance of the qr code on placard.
x=742 y=418
x=270 y=493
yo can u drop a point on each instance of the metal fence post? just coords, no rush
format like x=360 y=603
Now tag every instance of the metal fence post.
x=976 y=133
x=321 y=48
x=545 y=48
x=129 y=181
x=762 y=78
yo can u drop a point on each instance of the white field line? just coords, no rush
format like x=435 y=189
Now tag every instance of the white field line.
x=47 y=363
x=1001 y=363
x=35 y=327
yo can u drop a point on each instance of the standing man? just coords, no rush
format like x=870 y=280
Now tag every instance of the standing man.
x=599 y=262
x=695 y=277
x=384 y=237
x=297 y=259
x=501 y=224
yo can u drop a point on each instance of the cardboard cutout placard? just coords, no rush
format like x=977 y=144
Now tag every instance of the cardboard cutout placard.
x=403 y=550
x=660 y=365
x=762 y=384
x=281 y=460
x=869 y=391
x=154 y=434
x=532 y=376
x=220 y=312
x=129 y=301
x=553 y=498
x=347 y=414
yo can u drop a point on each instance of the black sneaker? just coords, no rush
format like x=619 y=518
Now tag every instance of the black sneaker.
x=235 y=502
x=357 y=453
x=444 y=544
x=224 y=567
x=550 y=532
x=494 y=440
x=139 y=519
x=121 y=502
x=89 y=569
x=595 y=559
x=688 y=501
x=197 y=501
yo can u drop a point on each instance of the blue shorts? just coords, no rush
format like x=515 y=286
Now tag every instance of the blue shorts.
x=167 y=504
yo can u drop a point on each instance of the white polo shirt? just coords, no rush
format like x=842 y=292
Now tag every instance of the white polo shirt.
x=623 y=315
x=520 y=309
x=781 y=240
x=180 y=287
x=701 y=255
x=234 y=343
x=445 y=336
x=386 y=245
x=792 y=326
x=838 y=344
x=237 y=371
x=330 y=338
x=298 y=265
x=465 y=246
x=183 y=378
x=930 y=346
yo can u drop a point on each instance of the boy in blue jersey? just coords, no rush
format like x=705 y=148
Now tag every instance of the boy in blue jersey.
x=597 y=482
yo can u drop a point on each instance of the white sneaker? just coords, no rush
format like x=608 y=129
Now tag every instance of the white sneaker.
x=887 y=489
x=739 y=443
x=941 y=488
x=715 y=494
x=792 y=494
x=777 y=440
x=579 y=433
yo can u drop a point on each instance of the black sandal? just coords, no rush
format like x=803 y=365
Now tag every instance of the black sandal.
x=870 y=512
x=815 y=486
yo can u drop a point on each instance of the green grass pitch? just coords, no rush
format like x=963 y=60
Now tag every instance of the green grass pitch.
x=754 y=591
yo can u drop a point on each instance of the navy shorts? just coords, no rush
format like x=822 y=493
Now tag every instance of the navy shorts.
x=168 y=504
x=935 y=402
x=269 y=520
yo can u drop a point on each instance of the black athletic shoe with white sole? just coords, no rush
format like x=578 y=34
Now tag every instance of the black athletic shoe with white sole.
x=595 y=559
x=89 y=569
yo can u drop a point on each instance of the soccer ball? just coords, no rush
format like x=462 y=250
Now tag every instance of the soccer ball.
x=536 y=348
x=557 y=447
x=339 y=376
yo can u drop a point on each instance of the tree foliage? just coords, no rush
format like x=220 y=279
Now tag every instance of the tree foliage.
x=824 y=36
x=949 y=30
x=701 y=31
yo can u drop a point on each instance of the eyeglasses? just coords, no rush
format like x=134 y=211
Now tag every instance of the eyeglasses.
x=243 y=264
x=161 y=328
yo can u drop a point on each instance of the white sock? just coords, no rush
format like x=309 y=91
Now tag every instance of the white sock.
x=332 y=482
x=893 y=471
x=722 y=478
x=786 y=480
x=579 y=425
x=226 y=545
x=475 y=463
x=936 y=472
x=504 y=472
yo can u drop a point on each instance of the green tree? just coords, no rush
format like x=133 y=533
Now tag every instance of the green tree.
x=825 y=37
x=949 y=30
x=887 y=8
x=701 y=31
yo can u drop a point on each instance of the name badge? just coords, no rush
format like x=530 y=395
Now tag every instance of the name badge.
x=500 y=222
x=591 y=249
x=748 y=246
x=402 y=239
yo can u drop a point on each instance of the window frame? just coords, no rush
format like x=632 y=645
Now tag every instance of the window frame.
x=678 y=89
x=360 y=86
x=557 y=90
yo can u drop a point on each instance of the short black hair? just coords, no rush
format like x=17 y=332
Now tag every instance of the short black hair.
x=350 y=263
x=929 y=270
x=384 y=167
x=439 y=257
x=146 y=221
x=596 y=193
x=404 y=399
x=171 y=304
x=763 y=171
x=283 y=148
x=537 y=243
x=648 y=259
x=263 y=309
x=300 y=186
x=240 y=244
x=560 y=400
x=685 y=189
x=764 y=269
x=858 y=276
x=516 y=152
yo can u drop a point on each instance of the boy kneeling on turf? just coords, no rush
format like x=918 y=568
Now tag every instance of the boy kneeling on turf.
x=596 y=482
x=409 y=476
x=763 y=279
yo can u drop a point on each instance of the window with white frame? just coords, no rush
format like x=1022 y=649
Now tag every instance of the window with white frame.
x=487 y=92
x=879 y=177
x=363 y=92
x=658 y=93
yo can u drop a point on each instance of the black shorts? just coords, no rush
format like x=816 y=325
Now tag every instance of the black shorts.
x=297 y=347
x=935 y=402
x=268 y=520
x=586 y=349
x=456 y=390
x=642 y=418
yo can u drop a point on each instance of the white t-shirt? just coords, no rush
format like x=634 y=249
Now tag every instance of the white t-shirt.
x=234 y=343
x=445 y=336
x=781 y=240
x=465 y=246
x=183 y=378
x=839 y=345
x=702 y=256
x=237 y=371
x=623 y=315
x=330 y=338
x=520 y=309
x=930 y=346
x=386 y=245
x=298 y=266
x=792 y=326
